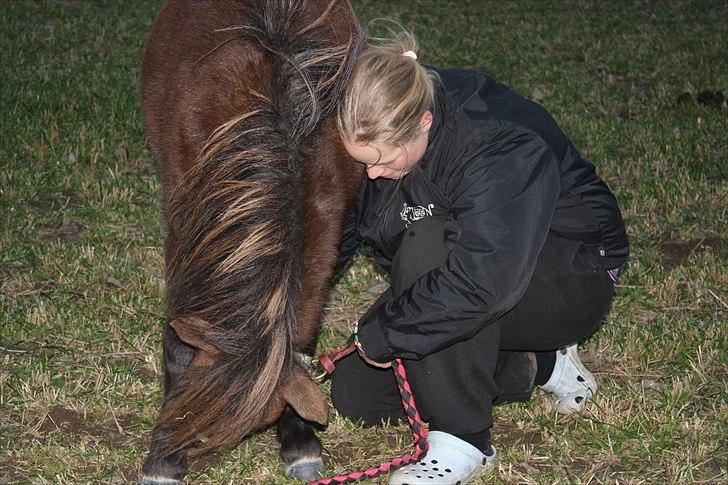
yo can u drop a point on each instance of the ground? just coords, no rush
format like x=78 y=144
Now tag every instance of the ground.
x=639 y=86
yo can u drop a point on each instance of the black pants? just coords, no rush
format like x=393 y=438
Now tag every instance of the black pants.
x=456 y=387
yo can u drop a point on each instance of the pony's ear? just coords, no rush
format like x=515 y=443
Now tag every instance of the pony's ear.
x=305 y=397
x=192 y=331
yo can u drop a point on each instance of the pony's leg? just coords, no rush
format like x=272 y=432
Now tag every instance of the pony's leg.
x=161 y=468
x=300 y=448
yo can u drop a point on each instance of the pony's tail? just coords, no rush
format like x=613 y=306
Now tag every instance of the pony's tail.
x=234 y=243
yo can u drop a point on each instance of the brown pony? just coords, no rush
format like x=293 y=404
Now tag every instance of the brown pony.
x=238 y=99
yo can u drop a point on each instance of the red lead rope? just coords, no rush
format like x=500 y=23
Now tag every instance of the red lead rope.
x=419 y=433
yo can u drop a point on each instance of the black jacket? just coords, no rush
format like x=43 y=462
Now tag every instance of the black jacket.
x=504 y=174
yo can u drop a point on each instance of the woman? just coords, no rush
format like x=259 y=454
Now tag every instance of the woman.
x=501 y=243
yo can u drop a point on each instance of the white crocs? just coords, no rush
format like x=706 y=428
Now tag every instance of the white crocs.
x=449 y=460
x=570 y=384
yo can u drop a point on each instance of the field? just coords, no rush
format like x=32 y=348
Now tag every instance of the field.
x=639 y=86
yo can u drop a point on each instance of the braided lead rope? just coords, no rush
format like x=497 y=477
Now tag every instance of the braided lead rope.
x=419 y=432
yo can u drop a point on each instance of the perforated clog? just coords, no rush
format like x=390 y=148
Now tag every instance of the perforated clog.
x=449 y=460
x=570 y=384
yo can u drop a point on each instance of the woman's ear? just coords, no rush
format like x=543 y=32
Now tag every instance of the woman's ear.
x=426 y=121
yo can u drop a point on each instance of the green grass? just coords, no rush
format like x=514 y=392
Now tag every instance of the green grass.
x=81 y=235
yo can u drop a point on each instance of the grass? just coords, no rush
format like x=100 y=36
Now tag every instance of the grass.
x=81 y=284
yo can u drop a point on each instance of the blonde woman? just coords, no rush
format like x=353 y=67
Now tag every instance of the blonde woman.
x=502 y=246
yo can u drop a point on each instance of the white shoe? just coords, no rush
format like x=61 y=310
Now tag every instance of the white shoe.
x=570 y=384
x=448 y=461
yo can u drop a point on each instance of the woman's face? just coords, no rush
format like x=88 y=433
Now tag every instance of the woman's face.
x=391 y=162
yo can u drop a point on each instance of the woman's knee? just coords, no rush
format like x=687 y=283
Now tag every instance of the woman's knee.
x=363 y=393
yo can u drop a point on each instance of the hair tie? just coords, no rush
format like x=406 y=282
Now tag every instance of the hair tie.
x=410 y=54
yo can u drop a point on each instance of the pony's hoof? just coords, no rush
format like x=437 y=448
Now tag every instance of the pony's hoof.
x=147 y=480
x=306 y=469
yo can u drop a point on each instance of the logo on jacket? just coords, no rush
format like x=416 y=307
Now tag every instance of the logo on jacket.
x=410 y=214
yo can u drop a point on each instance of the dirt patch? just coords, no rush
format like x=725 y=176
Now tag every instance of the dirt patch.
x=67 y=230
x=68 y=421
x=675 y=252
x=509 y=433
x=706 y=97
x=712 y=466
x=710 y=98
x=73 y=424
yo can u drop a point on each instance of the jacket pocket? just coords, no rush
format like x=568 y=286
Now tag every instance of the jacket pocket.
x=586 y=259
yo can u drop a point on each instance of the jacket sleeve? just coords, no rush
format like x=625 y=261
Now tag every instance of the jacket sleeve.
x=502 y=202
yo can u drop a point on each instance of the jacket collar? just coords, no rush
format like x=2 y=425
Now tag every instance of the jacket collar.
x=439 y=112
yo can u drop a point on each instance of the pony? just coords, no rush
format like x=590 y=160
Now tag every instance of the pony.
x=238 y=99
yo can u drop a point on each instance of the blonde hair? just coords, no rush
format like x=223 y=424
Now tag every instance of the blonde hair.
x=387 y=94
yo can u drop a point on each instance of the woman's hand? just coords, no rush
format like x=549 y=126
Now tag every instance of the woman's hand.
x=358 y=347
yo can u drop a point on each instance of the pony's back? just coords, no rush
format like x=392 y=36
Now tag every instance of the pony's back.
x=238 y=98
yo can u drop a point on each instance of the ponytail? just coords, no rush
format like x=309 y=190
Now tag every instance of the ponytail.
x=388 y=93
